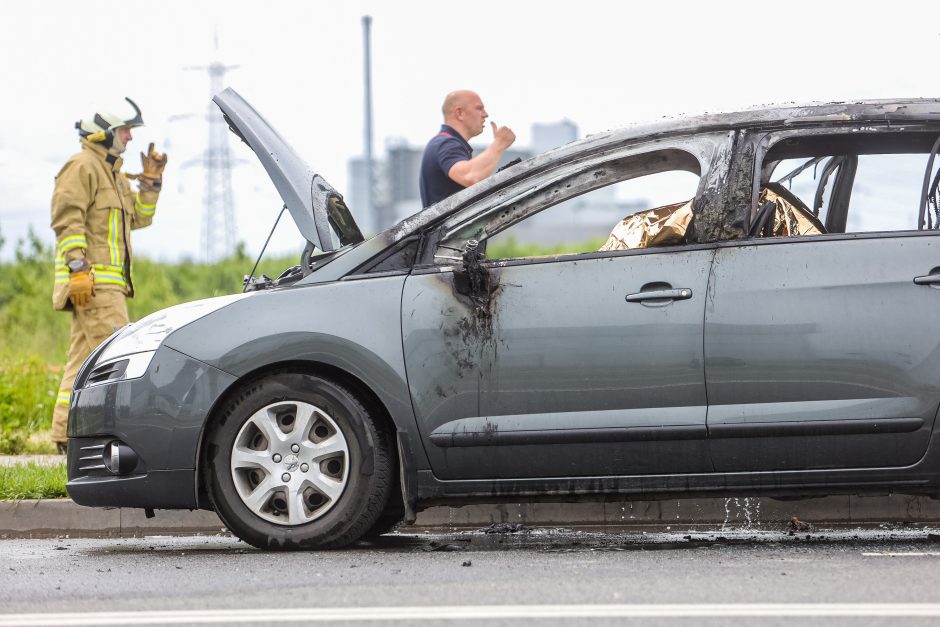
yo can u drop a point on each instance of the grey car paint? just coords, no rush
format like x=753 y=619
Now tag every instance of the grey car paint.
x=828 y=337
x=162 y=414
x=334 y=325
x=353 y=323
x=575 y=382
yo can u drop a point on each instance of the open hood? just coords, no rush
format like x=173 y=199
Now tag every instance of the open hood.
x=317 y=208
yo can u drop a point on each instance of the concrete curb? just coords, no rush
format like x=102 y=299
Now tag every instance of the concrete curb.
x=60 y=517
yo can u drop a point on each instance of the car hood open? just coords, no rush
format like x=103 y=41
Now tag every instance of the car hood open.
x=317 y=208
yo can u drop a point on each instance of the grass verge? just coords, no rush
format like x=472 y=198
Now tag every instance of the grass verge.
x=33 y=481
x=28 y=388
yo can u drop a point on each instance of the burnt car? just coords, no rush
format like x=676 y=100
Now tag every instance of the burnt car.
x=780 y=339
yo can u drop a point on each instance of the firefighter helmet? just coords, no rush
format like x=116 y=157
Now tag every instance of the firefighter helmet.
x=100 y=127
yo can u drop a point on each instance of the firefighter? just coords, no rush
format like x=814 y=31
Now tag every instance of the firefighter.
x=94 y=210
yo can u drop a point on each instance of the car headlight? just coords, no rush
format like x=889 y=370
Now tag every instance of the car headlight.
x=147 y=334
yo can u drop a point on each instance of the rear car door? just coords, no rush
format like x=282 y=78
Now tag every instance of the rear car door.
x=822 y=349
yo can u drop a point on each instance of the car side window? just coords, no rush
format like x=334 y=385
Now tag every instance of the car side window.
x=859 y=183
x=638 y=201
x=606 y=218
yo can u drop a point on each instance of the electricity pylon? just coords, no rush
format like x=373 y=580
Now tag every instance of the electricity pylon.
x=218 y=219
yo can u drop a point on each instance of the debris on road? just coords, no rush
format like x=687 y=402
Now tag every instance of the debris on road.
x=504 y=527
x=798 y=525
x=442 y=546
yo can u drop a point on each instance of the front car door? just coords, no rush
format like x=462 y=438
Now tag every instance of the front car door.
x=821 y=344
x=586 y=364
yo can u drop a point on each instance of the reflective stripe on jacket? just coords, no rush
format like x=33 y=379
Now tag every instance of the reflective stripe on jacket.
x=94 y=209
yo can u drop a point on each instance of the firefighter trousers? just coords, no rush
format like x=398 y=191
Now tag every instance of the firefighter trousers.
x=92 y=324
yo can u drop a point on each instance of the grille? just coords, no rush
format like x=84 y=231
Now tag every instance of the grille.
x=107 y=372
x=91 y=459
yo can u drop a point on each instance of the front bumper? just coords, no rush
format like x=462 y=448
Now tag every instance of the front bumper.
x=160 y=417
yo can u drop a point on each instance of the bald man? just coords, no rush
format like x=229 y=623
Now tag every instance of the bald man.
x=448 y=164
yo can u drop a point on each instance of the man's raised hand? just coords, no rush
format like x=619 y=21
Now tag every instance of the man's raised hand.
x=503 y=135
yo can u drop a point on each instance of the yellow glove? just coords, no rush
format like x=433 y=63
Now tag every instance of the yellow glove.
x=151 y=179
x=81 y=288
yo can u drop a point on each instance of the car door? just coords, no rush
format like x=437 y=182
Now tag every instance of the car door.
x=561 y=366
x=822 y=350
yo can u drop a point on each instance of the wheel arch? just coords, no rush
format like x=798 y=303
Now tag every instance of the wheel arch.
x=365 y=394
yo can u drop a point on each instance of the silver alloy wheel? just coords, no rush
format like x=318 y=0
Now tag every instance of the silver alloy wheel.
x=290 y=463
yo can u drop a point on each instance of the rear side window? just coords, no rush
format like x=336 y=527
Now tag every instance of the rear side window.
x=859 y=183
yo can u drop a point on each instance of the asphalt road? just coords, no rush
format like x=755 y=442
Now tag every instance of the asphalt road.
x=542 y=576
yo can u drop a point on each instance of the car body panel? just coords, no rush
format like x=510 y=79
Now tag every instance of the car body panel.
x=620 y=385
x=824 y=332
x=160 y=415
x=330 y=324
x=921 y=478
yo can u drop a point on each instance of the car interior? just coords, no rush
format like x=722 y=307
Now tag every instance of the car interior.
x=877 y=181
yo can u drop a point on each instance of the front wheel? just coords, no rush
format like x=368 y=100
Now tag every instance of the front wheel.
x=296 y=462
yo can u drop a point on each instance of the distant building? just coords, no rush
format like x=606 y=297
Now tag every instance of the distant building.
x=404 y=166
x=548 y=136
x=356 y=194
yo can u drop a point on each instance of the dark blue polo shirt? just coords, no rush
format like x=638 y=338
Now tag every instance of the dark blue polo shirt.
x=442 y=152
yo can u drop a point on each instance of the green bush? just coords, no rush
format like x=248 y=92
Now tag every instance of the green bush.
x=28 y=323
x=30 y=326
x=509 y=248
x=28 y=388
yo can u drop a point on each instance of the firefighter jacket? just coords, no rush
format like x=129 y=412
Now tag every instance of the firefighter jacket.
x=94 y=210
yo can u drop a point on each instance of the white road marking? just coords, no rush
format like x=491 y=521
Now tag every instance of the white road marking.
x=474 y=612
x=901 y=554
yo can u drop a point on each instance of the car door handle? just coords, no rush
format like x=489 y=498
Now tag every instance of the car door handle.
x=675 y=294
x=929 y=279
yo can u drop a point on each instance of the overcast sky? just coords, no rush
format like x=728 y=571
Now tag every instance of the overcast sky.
x=600 y=64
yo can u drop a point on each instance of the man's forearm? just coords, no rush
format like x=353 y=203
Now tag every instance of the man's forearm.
x=475 y=170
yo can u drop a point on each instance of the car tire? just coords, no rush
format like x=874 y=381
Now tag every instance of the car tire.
x=383 y=525
x=390 y=518
x=295 y=461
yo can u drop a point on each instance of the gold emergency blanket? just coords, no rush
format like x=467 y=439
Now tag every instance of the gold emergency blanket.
x=666 y=226
x=663 y=226
x=791 y=217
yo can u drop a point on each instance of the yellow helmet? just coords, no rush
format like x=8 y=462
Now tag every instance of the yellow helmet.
x=100 y=127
